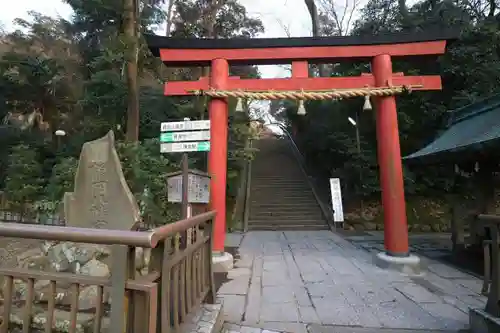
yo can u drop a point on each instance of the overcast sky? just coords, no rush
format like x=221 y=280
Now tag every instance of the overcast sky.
x=275 y=14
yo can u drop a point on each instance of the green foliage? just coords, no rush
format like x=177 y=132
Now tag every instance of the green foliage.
x=470 y=70
x=24 y=181
x=62 y=179
x=74 y=73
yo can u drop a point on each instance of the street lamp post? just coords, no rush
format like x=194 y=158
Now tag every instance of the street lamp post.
x=354 y=122
x=59 y=134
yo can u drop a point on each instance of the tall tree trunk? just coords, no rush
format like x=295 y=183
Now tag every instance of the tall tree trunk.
x=209 y=25
x=131 y=54
x=170 y=10
x=316 y=30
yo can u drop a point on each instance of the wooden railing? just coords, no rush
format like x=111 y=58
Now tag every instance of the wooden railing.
x=491 y=247
x=179 y=278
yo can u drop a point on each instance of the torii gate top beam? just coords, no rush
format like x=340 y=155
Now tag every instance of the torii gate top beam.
x=190 y=52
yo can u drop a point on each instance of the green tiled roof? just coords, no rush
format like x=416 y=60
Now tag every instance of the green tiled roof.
x=468 y=129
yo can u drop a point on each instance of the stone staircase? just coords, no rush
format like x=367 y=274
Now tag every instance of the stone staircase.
x=280 y=197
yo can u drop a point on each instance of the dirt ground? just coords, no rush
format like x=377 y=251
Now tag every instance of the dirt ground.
x=10 y=248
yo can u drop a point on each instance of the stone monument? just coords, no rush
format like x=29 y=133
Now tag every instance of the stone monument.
x=101 y=199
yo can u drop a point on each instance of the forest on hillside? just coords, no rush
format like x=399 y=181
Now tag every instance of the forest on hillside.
x=94 y=72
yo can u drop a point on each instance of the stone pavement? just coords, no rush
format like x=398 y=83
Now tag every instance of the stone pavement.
x=318 y=282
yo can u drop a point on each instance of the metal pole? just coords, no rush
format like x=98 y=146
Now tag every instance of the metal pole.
x=358 y=144
x=185 y=183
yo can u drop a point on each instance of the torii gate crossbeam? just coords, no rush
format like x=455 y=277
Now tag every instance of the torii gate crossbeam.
x=219 y=54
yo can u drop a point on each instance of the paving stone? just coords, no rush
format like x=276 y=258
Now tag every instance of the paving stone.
x=246 y=329
x=277 y=294
x=285 y=312
x=318 y=278
x=239 y=272
x=252 y=310
x=301 y=296
x=308 y=315
x=245 y=261
x=446 y=286
x=233 y=239
x=457 y=303
x=450 y=317
x=238 y=286
x=234 y=307
x=473 y=284
x=231 y=327
x=277 y=278
x=284 y=327
x=417 y=293
x=447 y=272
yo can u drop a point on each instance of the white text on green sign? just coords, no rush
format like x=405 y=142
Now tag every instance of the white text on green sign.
x=196 y=125
x=184 y=147
x=185 y=136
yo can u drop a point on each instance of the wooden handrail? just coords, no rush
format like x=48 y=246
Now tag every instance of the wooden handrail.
x=492 y=222
x=147 y=239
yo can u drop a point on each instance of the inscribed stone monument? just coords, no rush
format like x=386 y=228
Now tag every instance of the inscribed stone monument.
x=101 y=198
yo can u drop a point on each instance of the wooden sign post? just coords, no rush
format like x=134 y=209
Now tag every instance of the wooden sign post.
x=183 y=137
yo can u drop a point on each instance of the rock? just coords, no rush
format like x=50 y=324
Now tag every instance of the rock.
x=359 y=227
x=26 y=255
x=39 y=263
x=425 y=228
x=95 y=268
x=61 y=320
x=42 y=294
x=47 y=245
x=370 y=226
x=88 y=298
x=416 y=228
x=57 y=257
x=435 y=228
x=348 y=227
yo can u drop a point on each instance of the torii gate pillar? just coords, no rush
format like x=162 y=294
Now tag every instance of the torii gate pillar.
x=389 y=160
x=217 y=157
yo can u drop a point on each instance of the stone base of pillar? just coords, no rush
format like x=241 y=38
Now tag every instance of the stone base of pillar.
x=222 y=262
x=407 y=265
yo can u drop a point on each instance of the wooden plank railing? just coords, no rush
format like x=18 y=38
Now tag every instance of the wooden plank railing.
x=180 y=277
x=491 y=247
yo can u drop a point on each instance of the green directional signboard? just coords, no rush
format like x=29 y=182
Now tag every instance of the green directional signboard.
x=185 y=136
x=184 y=147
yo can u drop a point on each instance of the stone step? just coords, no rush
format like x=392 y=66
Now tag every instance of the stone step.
x=288 y=227
x=281 y=197
x=296 y=185
x=313 y=212
x=283 y=205
x=282 y=194
x=306 y=211
x=285 y=217
x=279 y=182
x=277 y=220
x=296 y=177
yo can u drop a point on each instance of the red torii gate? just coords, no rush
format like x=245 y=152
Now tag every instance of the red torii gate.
x=219 y=54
